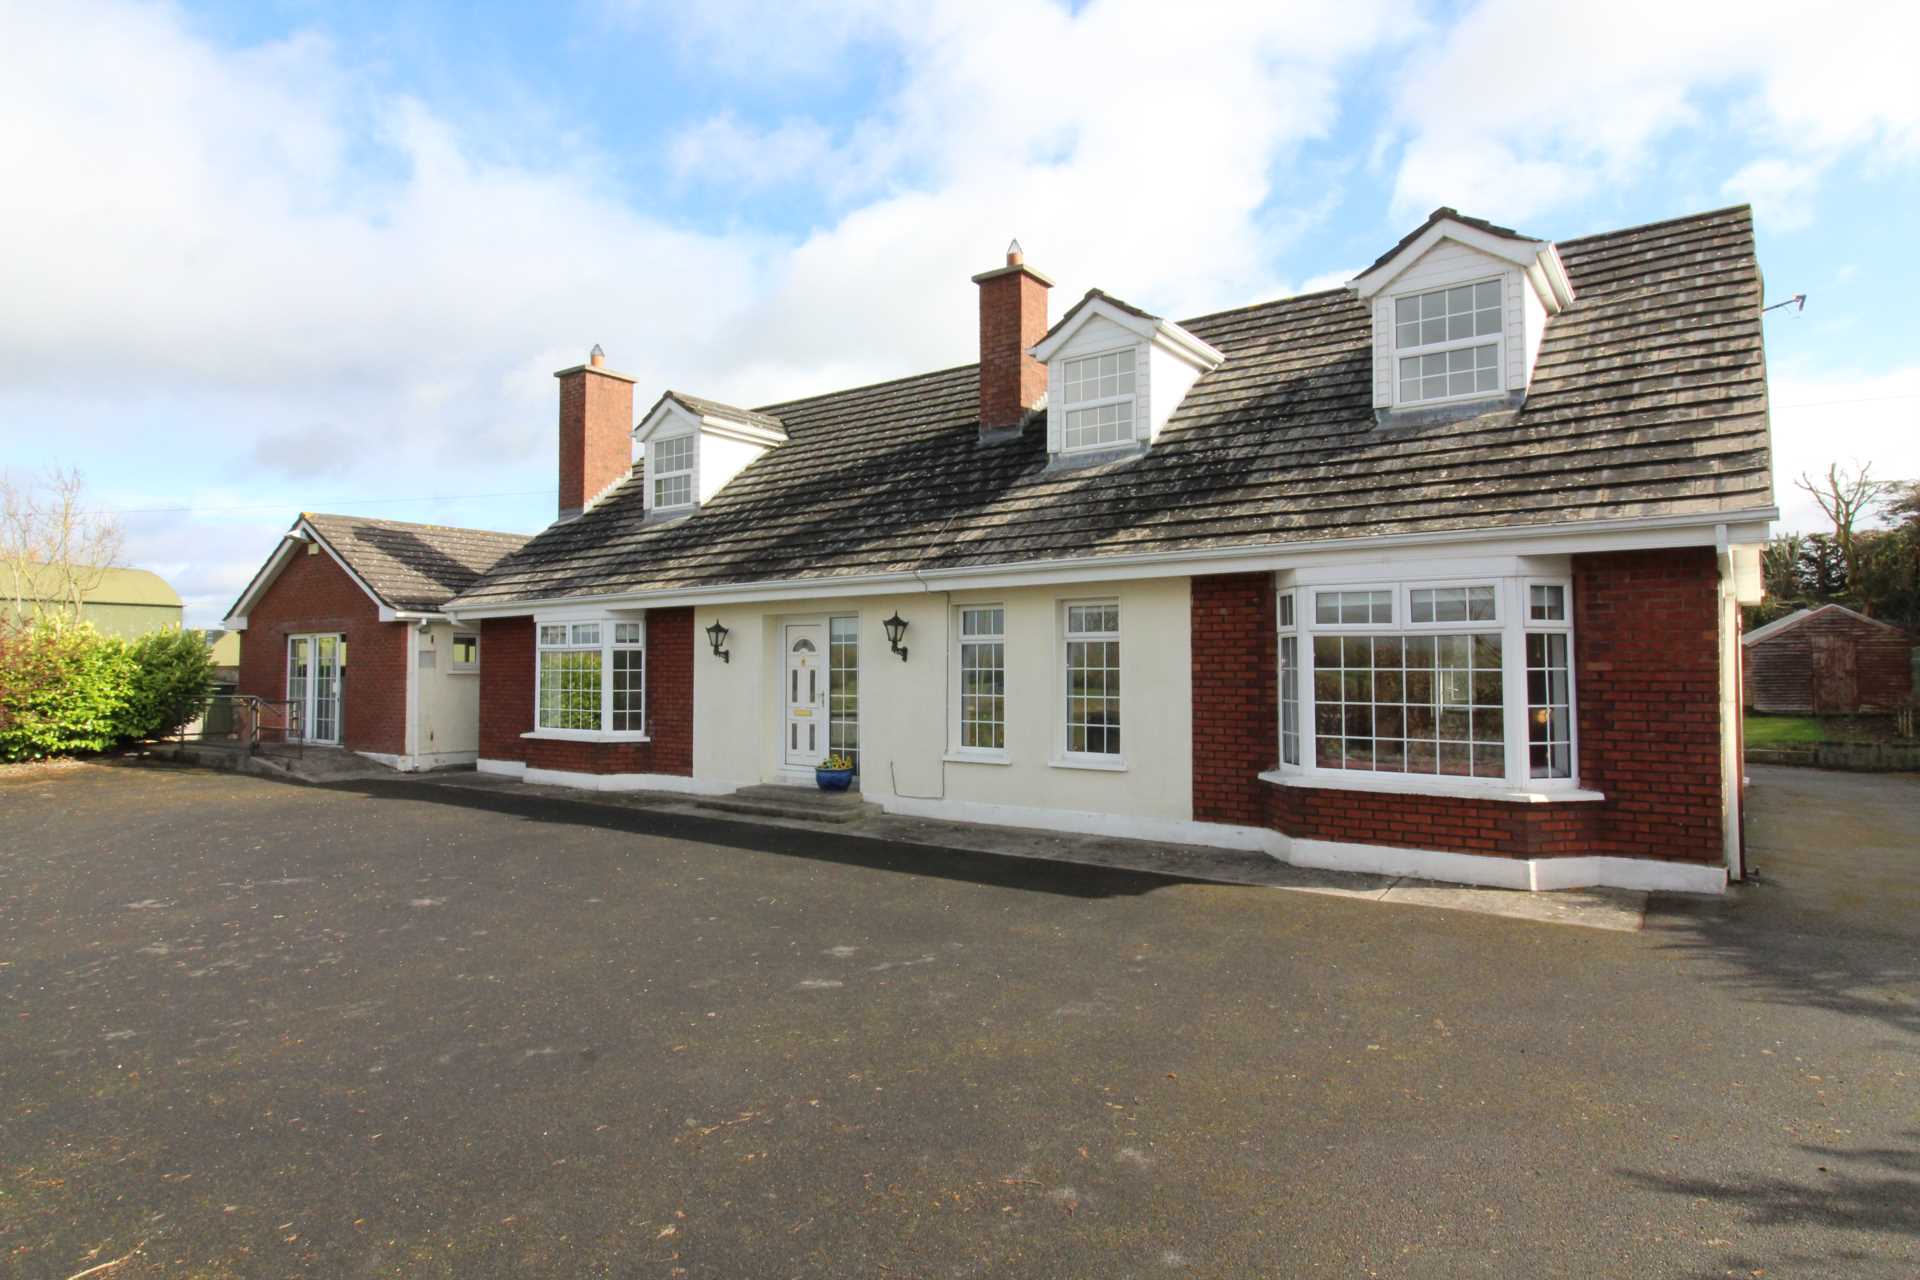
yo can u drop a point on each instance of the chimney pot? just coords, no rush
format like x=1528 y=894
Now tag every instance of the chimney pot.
x=597 y=358
x=1014 y=256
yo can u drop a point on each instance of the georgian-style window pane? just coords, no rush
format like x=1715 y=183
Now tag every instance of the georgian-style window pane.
x=843 y=688
x=1103 y=425
x=673 y=454
x=673 y=491
x=1546 y=602
x=584 y=633
x=1093 y=679
x=1549 y=705
x=1453 y=317
x=983 y=679
x=629 y=690
x=1290 y=699
x=569 y=689
x=553 y=635
x=1410 y=704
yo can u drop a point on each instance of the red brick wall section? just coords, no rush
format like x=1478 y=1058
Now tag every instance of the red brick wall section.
x=1647 y=684
x=314 y=594
x=507 y=693
x=506 y=687
x=1013 y=317
x=596 y=444
x=1235 y=697
x=1647 y=679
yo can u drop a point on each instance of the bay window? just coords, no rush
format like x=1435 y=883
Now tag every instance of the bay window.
x=1466 y=684
x=983 y=678
x=590 y=678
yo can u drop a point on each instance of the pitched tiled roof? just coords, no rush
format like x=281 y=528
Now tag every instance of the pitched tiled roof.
x=1649 y=399
x=413 y=566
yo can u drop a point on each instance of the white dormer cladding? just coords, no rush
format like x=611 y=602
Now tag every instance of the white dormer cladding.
x=1115 y=375
x=1459 y=312
x=692 y=447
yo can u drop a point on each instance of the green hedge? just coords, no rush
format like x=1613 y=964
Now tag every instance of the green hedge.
x=65 y=688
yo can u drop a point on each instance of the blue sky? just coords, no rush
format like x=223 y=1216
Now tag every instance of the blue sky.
x=326 y=256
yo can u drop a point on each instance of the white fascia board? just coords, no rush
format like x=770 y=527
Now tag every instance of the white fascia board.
x=745 y=432
x=282 y=552
x=672 y=412
x=1177 y=342
x=1164 y=334
x=1538 y=260
x=1556 y=540
x=666 y=412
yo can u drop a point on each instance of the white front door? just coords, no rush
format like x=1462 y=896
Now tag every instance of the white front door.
x=804 y=692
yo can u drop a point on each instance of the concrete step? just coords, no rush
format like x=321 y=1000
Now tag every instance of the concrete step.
x=808 y=803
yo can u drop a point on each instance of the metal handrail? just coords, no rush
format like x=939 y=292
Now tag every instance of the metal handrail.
x=245 y=719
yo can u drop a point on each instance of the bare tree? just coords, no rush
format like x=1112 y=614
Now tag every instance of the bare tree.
x=53 y=550
x=1846 y=499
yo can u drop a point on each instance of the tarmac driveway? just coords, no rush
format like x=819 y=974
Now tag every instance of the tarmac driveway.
x=254 y=1029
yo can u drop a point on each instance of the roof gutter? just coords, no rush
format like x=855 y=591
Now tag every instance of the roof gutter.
x=1245 y=557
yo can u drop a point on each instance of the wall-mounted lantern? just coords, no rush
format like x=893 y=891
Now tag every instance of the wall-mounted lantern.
x=896 y=627
x=717 y=635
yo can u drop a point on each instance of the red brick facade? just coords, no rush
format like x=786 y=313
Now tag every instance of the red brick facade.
x=507 y=696
x=1646 y=679
x=1013 y=317
x=596 y=444
x=313 y=594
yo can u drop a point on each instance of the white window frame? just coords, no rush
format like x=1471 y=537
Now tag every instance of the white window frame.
x=1286 y=619
x=1562 y=626
x=1064 y=757
x=1511 y=623
x=1498 y=340
x=608 y=643
x=956 y=750
x=655 y=474
x=1128 y=398
x=454 y=665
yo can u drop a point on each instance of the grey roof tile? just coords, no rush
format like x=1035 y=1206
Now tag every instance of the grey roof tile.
x=413 y=566
x=1649 y=398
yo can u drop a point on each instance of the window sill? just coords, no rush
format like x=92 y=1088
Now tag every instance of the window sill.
x=977 y=757
x=585 y=735
x=1460 y=788
x=463 y=671
x=1098 y=764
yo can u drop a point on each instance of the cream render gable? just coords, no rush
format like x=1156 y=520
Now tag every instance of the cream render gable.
x=1431 y=298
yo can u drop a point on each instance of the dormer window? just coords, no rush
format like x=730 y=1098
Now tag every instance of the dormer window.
x=1459 y=310
x=1115 y=376
x=694 y=447
x=671 y=470
x=1457 y=332
x=1098 y=395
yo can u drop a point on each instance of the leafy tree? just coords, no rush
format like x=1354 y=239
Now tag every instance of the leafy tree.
x=1823 y=568
x=173 y=678
x=64 y=687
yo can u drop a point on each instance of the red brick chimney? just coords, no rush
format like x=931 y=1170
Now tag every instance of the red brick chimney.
x=1013 y=317
x=596 y=431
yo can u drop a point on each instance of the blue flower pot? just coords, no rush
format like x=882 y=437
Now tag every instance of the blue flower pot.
x=833 y=779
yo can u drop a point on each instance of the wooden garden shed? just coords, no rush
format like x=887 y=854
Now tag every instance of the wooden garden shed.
x=1827 y=660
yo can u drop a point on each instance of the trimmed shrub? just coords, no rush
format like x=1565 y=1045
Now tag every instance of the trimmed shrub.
x=173 y=677
x=63 y=688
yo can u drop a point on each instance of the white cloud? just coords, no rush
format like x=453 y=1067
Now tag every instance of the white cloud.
x=1522 y=107
x=1781 y=191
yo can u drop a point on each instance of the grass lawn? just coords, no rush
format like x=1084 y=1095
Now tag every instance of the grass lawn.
x=1807 y=731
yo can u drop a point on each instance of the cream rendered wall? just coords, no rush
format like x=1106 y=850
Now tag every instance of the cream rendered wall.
x=447 y=703
x=905 y=707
